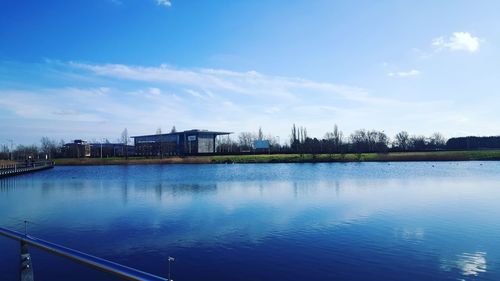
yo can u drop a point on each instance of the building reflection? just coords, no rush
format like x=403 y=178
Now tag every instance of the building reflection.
x=7 y=184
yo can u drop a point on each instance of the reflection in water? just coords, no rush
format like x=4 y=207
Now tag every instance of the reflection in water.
x=337 y=221
x=410 y=234
x=7 y=184
x=469 y=264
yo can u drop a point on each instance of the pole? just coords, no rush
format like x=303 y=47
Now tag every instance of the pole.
x=170 y=259
x=11 y=148
x=26 y=265
x=118 y=270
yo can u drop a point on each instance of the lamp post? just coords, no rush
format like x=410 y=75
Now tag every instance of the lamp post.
x=170 y=259
x=11 y=148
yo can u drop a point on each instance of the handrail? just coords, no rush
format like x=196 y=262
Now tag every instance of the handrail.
x=119 y=270
x=20 y=168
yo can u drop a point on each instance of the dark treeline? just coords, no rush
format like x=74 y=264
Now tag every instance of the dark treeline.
x=48 y=149
x=335 y=141
x=472 y=143
x=360 y=141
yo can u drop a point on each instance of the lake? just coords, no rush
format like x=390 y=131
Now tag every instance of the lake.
x=331 y=221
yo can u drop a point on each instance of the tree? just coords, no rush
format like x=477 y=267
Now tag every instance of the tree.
x=125 y=142
x=369 y=141
x=359 y=140
x=260 y=135
x=418 y=142
x=48 y=146
x=437 y=141
x=334 y=140
x=173 y=130
x=26 y=152
x=225 y=144
x=294 y=140
x=158 y=131
x=4 y=151
x=245 y=140
x=337 y=137
x=402 y=140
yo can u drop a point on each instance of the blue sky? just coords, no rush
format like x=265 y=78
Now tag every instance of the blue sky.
x=88 y=69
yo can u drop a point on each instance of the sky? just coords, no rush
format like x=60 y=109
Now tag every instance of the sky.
x=88 y=69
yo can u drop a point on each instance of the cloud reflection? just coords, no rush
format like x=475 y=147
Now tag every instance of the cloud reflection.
x=469 y=264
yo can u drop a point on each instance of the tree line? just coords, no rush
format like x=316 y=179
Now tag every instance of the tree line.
x=360 y=141
x=334 y=141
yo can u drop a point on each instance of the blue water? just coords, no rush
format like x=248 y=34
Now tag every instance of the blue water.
x=368 y=221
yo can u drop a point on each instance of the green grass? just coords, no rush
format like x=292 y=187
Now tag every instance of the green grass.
x=363 y=157
x=295 y=158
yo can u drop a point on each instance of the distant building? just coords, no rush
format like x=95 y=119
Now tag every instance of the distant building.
x=106 y=150
x=77 y=149
x=261 y=146
x=192 y=142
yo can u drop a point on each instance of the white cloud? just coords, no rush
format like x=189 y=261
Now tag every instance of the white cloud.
x=140 y=98
x=248 y=84
x=412 y=72
x=166 y=3
x=155 y=91
x=458 y=41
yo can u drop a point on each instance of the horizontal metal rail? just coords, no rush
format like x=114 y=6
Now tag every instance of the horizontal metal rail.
x=119 y=270
x=21 y=168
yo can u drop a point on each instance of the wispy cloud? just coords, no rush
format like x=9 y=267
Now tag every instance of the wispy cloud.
x=144 y=98
x=250 y=84
x=410 y=73
x=165 y=3
x=458 y=41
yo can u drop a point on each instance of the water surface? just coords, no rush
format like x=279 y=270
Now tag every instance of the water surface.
x=353 y=221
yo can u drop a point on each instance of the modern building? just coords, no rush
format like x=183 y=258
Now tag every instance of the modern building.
x=192 y=142
x=106 y=149
x=77 y=149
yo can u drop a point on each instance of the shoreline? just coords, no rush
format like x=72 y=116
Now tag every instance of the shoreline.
x=476 y=155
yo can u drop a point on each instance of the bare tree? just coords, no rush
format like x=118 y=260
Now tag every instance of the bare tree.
x=402 y=140
x=225 y=144
x=158 y=131
x=245 y=140
x=337 y=138
x=260 y=135
x=418 y=142
x=4 y=152
x=26 y=153
x=437 y=141
x=48 y=146
x=369 y=141
x=173 y=130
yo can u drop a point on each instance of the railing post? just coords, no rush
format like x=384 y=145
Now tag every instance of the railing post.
x=26 y=268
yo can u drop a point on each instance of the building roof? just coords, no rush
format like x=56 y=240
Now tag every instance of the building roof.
x=194 y=131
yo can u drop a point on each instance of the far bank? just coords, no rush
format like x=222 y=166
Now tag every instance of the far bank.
x=294 y=158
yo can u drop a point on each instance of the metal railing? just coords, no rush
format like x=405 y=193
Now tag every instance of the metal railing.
x=116 y=269
x=20 y=168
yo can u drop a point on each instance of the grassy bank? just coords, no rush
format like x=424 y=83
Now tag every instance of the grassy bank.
x=296 y=158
